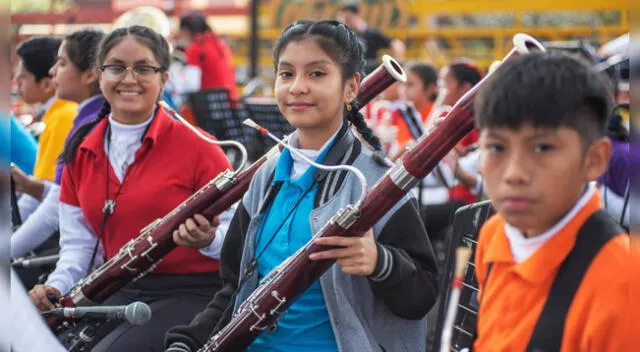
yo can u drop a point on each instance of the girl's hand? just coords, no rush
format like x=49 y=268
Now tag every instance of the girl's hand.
x=355 y=255
x=196 y=232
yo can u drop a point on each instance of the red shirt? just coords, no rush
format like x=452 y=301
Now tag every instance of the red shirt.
x=170 y=165
x=212 y=55
x=470 y=139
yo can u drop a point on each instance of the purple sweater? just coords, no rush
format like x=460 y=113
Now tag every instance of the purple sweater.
x=617 y=175
x=87 y=113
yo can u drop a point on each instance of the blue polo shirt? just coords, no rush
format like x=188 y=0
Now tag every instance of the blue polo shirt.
x=306 y=325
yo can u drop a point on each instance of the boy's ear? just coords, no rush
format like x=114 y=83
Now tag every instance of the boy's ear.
x=597 y=158
x=47 y=86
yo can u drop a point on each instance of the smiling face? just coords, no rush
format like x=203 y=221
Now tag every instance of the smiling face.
x=534 y=176
x=132 y=96
x=310 y=90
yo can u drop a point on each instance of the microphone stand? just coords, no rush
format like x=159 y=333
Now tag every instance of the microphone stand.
x=81 y=341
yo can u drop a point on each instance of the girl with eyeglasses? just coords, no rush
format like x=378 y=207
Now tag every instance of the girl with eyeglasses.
x=129 y=167
x=376 y=296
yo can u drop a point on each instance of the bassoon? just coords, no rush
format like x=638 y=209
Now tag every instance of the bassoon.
x=279 y=289
x=139 y=256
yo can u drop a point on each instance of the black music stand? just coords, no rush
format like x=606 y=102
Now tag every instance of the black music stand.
x=217 y=114
x=466 y=225
x=266 y=113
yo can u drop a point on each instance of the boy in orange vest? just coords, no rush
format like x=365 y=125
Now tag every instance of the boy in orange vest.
x=552 y=266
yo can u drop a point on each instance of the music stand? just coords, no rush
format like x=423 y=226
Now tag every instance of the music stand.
x=217 y=114
x=466 y=226
x=266 y=113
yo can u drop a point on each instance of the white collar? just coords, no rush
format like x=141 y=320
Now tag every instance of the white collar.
x=121 y=127
x=523 y=247
x=299 y=164
x=309 y=152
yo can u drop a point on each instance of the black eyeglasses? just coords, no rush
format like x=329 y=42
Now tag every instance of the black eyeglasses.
x=117 y=72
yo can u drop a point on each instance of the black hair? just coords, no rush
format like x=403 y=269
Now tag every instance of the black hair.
x=353 y=8
x=39 y=54
x=616 y=130
x=427 y=74
x=340 y=43
x=465 y=72
x=82 y=47
x=546 y=89
x=145 y=36
x=194 y=22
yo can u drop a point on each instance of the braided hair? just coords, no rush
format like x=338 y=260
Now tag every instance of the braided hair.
x=81 y=48
x=145 y=36
x=340 y=43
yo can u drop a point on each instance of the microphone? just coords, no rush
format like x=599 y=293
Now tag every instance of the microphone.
x=136 y=313
x=36 y=262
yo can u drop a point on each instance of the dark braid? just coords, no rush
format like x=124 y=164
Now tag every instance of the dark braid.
x=74 y=141
x=82 y=46
x=355 y=117
x=340 y=43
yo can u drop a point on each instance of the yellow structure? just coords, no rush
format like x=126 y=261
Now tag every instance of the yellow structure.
x=416 y=22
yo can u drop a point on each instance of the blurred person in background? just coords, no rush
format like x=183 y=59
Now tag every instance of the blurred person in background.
x=615 y=182
x=205 y=50
x=421 y=90
x=75 y=79
x=372 y=39
x=22 y=329
x=459 y=78
x=382 y=116
x=35 y=87
x=460 y=169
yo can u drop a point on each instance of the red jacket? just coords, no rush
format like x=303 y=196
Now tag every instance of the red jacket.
x=212 y=55
x=171 y=164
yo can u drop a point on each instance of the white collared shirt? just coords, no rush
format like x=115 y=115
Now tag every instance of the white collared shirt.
x=123 y=143
x=522 y=247
x=300 y=166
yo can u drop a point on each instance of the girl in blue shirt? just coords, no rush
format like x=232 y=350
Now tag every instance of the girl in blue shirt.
x=384 y=282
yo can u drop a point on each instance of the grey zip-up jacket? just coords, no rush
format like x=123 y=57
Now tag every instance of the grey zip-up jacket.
x=383 y=312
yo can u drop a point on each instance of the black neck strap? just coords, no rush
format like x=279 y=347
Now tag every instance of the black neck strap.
x=109 y=204
x=596 y=232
